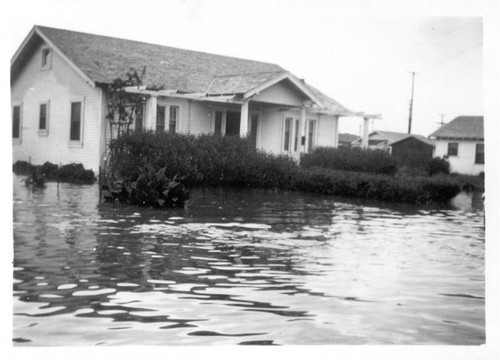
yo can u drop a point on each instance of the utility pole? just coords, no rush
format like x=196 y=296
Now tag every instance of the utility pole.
x=442 y=119
x=411 y=101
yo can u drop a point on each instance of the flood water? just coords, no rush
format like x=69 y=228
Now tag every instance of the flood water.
x=244 y=267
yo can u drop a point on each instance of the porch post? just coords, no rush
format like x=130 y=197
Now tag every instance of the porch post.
x=335 y=131
x=303 y=129
x=150 y=123
x=244 y=119
x=364 y=141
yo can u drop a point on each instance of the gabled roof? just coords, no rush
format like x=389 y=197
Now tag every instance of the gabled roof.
x=420 y=138
x=240 y=83
x=347 y=138
x=390 y=136
x=102 y=59
x=462 y=127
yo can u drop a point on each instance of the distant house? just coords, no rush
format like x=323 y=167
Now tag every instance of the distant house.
x=347 y=139
x=381 y=140
x=59 y=99
x=413 y=150
x=461 y=141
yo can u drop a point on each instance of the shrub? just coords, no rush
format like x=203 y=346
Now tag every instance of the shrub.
x=417 y=190
x=438 y=166
x=350 y=159
x=73 y=173
x=206 y=160
x=23 y=168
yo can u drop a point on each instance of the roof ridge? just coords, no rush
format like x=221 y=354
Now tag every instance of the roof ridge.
x=251 y=73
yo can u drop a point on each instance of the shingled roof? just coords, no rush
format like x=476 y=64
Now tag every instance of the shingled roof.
x=462 y=127
x=102 y=59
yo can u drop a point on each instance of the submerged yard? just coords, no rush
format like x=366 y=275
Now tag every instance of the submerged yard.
x=245 y=267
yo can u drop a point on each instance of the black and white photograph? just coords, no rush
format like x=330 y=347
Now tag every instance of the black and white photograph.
x=199 y=174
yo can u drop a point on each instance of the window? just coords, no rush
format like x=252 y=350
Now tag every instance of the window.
x=173 y=117
x=311 y=135
x=43 y=119
x=287 y=134
x=452 y=149
x=218 y=123
x=16 y=122
x=46 y=58
x=76 y=121
x=160 y=118
x=139 y=115
x=297 y=134
x=479 y=154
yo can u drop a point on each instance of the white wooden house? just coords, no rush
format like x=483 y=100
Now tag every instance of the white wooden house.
x=461 y=142
x=58 y=81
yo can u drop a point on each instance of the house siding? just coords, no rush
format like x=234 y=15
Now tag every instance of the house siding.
x=59 y=85
x=464 y=163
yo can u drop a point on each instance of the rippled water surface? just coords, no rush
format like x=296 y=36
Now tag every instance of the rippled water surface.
x=243 y=267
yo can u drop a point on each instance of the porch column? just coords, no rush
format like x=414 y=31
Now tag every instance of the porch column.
x=150 y=123
x=302 y=129
x=364 y=141
x=335 y=131
x=244 y=119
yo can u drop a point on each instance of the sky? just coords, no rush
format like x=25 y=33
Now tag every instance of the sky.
x=358 y=54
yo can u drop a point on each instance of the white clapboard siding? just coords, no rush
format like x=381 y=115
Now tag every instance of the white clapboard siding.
x=58 y=85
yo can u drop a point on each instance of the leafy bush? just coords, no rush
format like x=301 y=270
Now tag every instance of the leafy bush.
x=350 y=159
x=438 y=166
x=73 y=173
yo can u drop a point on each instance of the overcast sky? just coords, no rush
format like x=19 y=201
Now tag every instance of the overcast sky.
x=358 y=54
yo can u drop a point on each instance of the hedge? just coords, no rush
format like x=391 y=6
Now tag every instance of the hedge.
x=211 y=160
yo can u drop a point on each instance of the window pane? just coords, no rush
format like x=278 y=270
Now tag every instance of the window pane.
x=310 y=135
x=174 y=113
x=43 y=117
x=479 y=153
x=16 y=121
x=288 y=133
x=160 y=118
x=218 y=123
x=76 y=108
x=297 y=134
x=453 y=149
x=139 y=113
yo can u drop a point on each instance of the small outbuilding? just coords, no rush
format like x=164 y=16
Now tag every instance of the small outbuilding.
x=414 y=151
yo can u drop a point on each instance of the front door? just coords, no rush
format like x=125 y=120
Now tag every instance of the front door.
x=232 y=123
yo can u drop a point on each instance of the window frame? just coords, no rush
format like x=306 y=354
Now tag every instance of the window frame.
x=222 y=122
x=479 y=153
x=290 y=136
x=46 y=61
x=45 y=131
x=18 y=139
x=177 y=116
x=314 y=138
x=448 y=152
x=158 y=106
x=79 y=142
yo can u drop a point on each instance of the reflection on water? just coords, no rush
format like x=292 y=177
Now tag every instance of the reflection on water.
x=244 y=267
